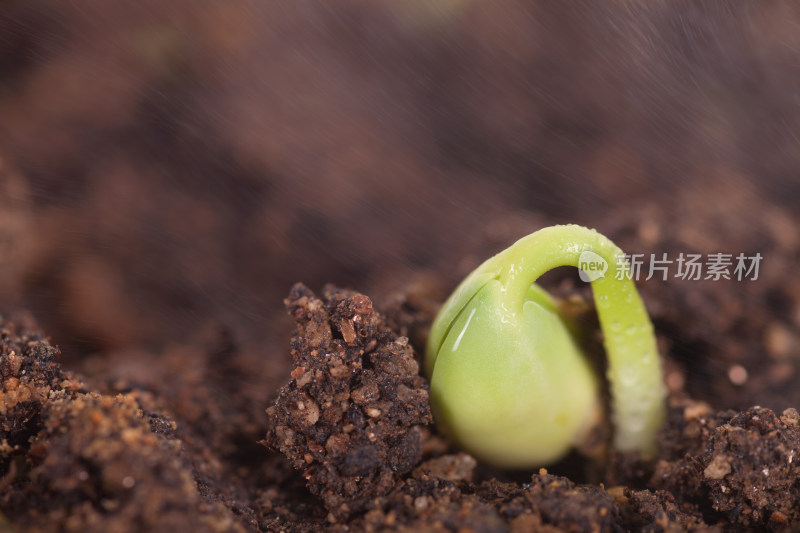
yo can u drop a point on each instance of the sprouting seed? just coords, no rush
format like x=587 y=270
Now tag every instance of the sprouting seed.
x=509 y=382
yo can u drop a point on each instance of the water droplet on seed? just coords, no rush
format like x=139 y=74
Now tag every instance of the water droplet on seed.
x=629 y=297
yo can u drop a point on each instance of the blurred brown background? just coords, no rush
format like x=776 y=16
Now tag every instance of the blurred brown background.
x=166 y=165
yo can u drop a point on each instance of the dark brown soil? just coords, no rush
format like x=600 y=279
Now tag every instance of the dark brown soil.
x=350 y=418
x=169 y=171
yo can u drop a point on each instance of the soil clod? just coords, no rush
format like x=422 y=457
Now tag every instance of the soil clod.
x=350 y=417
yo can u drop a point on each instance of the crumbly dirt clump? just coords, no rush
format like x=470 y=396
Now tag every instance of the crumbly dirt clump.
x=76 y=460
x=742 y=467
x=28 y=376
x=350 y=417
x=440 y=496
x=100 y=454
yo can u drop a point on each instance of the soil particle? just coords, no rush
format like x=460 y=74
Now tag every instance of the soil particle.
x=350 y=417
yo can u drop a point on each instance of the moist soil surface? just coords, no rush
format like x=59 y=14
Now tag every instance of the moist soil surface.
x=346 y=441
x=225 y=231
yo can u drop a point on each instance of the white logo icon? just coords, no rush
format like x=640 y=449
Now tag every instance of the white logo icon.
x=591 y=266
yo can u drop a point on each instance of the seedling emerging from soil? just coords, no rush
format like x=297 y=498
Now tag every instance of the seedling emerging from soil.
x=508 y=380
